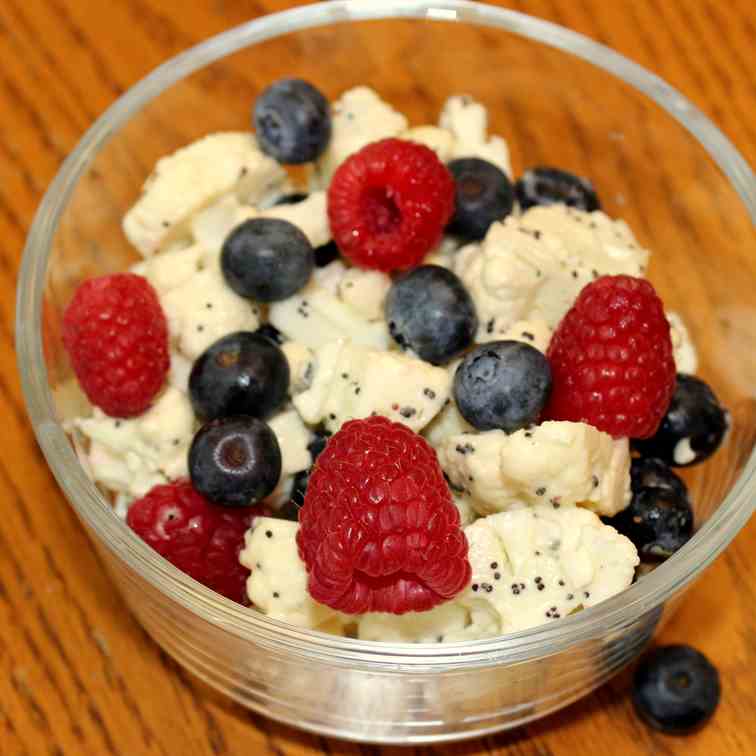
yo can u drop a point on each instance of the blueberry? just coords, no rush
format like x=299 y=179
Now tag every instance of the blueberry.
x=293 y=121
x=267 y=259
x=235 y=461
x=483 y=194
x=243 y=373
x=430 y=311
x=658 y=521
x=548 y=186
x=325 y=253
x=676 y=689
x=693 y=428
x=502 y=384
x=647 y=472
x=270 y=332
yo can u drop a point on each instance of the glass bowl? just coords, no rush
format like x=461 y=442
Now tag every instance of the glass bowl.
x=558 y=98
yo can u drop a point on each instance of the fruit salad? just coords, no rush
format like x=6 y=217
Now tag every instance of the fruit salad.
x=412 y=398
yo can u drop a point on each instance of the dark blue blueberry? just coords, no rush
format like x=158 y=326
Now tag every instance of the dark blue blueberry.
x=693 y=427
x=549 y=186
x=271 y=333
x=676 y=689
x=293 y=121
x=483 y=194
x=325 y=253
x=502 y=384
x=647 y=472
x=243 y=373
x=267 y=259
x=658 y=521
x=235 y=461
x=429 y=311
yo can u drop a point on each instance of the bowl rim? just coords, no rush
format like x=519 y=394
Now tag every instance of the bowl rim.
x=255 y=627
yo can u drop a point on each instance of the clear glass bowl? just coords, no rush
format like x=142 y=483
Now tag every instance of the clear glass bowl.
x=558 y=98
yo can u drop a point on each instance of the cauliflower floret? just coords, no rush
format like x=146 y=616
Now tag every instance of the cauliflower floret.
x=309 y=216
x=534 y=332
x=560 y=462
x=277 y=585
x=293 y=438
x=467 y=121
x=467 y=513
x=448 y=422
x=444 y=254
x=354 y=382
x=178 y=375
x=505 y=273
x=358 y=117
x=535 y=564
x=365 y=291
x=441 y=141
x=131 y=456
x=301 y=361
x=171 y=268
x=194 y=177
x=203 y=309
x=594 y=239
x=686 y=357
x=314 y=317
x=446 y=623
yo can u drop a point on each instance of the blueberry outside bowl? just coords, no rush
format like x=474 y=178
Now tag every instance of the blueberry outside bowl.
x=559 y=99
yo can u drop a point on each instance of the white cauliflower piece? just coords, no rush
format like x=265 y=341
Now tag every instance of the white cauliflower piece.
x=441 y=141
x=354 y=382
x=309 y=216
x=686 y=357
x=181 y=368
x=358 y=117
x=592 y=239
x=448 y=422
x=562 y=463
x=365 y=291
x=293 y=436
x=203 y=309
x=329 y=276
x=132 y=455
x=446 y=623
x=301 y=361
x=467 y=121
x=277 y=585
x=314 y=317
x=444 y=254
x=505 y=272
x=171 y=268
x=534 y=564
x=194 y=177
x=467 y=513
x=534 y=332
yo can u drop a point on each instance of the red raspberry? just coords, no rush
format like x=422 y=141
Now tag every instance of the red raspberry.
x=611 y=359
x=378 y=530
x=200 y=538
x=116 y=335
x=388 y=204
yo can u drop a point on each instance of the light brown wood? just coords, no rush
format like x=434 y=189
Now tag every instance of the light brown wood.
x=78 y=676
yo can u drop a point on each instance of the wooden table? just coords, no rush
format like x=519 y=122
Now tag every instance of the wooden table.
x=77 y=673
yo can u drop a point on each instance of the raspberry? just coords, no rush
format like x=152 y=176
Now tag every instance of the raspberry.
x=116 y=335
x=200 y=538
x=611 y=359
x=388 y=204
x=378 y=530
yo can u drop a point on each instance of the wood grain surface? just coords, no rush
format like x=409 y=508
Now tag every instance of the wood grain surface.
x=77 y=673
